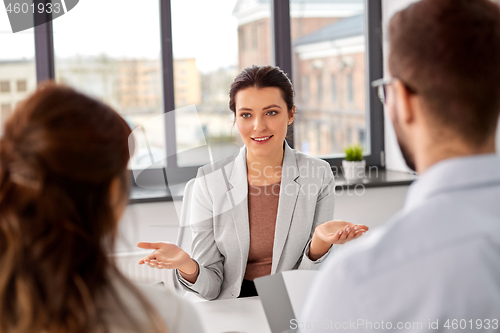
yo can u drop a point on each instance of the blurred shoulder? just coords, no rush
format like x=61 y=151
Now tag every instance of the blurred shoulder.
x=438 y=228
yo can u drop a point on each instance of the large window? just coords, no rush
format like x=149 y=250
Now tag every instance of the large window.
x=114 y=54
x=206 y=61
x=148 y=60
x=328 y=38
x=17 y=67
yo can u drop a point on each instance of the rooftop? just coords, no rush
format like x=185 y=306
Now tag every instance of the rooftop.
x=16 y=61
x=304 y=7
x=344 y=28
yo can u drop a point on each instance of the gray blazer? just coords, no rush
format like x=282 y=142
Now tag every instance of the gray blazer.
x=220 y=224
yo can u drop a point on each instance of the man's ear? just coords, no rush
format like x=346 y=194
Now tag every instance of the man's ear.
x=405 y=103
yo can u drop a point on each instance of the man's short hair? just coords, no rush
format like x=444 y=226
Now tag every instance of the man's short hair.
x=448 y=51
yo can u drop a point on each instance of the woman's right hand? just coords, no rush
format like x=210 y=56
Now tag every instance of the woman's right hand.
x=167 y=255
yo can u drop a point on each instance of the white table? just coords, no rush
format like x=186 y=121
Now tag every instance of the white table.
x=233 y=315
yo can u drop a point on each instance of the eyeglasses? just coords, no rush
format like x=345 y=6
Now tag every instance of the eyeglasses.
x=381 y=84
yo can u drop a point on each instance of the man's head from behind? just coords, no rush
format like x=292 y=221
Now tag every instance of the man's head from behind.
x=446 y=57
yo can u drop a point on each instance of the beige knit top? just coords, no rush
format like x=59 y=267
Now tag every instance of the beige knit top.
x=262 y=212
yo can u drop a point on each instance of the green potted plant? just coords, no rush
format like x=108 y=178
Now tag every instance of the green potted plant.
x=353 y=166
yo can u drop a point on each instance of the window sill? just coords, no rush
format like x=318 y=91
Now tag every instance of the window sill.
x=140 y=195
x=378 y=178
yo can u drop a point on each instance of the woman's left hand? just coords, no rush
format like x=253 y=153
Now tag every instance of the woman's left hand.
x=339 y=232
x=333 y=232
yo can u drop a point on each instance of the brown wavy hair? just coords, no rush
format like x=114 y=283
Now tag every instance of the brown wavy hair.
x=60 y=153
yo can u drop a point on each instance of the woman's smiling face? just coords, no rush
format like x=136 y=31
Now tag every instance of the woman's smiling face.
x=262 y=119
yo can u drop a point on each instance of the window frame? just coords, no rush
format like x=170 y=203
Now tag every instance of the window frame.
x=319 y=88
x=7 y=90
x=350 y=88
x=21 y=83
x=282 y=57
x=333 y=87
x=374 y=70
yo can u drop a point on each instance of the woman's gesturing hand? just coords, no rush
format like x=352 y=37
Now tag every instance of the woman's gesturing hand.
x=333 y=232
x=167 y=255
x=339 y=232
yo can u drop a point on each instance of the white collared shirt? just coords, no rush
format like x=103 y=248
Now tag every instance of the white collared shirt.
x=433 y=267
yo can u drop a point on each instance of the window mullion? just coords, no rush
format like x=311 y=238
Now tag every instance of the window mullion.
x=44 y=45
x=168 y=81
x=282 y=44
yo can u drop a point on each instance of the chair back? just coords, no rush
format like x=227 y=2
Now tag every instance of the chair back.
x=184 y=235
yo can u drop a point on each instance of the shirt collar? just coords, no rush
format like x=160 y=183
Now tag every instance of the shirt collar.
x=454 y=174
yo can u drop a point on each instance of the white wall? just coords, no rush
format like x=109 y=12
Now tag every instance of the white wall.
x=151 y=222
x=372 y=208
x=394 y=159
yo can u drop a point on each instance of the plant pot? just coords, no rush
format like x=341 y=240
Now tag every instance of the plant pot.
x=353 y=170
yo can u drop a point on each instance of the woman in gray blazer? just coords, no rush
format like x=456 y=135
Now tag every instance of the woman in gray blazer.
x=240 y=232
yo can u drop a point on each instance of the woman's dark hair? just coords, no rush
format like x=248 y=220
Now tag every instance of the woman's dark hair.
x=262 y=77
x=59 y=154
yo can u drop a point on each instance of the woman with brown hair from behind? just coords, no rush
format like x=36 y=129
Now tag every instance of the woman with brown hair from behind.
x=63 y=189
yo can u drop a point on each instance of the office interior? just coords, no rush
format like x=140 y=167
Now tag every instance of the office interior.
x=152 y=57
